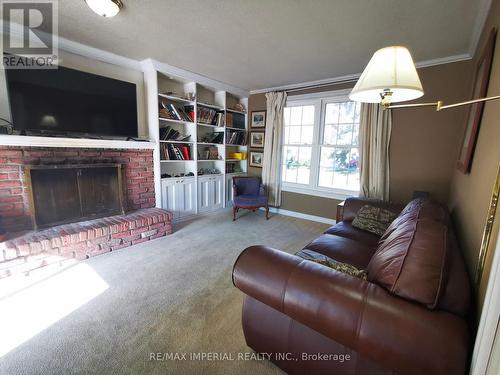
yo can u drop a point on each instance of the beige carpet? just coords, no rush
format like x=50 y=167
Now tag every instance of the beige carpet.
x=173 y=295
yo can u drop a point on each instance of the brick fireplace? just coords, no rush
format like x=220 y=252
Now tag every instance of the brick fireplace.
x=15 y=208
x=44 y=250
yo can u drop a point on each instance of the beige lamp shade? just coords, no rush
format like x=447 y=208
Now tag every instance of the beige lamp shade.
x=390 y=74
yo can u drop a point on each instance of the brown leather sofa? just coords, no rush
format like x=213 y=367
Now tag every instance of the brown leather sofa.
x=408 y=317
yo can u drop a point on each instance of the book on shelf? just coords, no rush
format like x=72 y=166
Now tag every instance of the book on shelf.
x=173 y=112
x=169 y=134
x=210 y=116
x=169 y=151
x=235 y=120
x=236 y=138
x=209 y=153
x=214 y=137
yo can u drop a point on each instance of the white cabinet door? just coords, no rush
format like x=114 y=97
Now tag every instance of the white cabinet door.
x=218 y=186
x=210 y=192
x=186 y=197
x=179 y=196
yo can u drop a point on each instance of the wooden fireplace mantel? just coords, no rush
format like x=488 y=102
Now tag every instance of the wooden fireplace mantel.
x=21 y=140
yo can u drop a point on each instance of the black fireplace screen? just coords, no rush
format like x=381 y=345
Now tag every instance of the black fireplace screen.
x=69 y=193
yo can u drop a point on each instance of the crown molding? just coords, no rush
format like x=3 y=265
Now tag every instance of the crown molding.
x=353 y=77
x=191 y=76
x=482 y=16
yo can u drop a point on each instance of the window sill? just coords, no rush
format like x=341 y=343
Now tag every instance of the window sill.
x=332 y=193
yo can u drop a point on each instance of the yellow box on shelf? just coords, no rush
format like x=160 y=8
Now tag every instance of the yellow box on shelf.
x=238 y=155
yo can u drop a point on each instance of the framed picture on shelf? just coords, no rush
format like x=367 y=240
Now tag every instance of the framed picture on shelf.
x=480 y=89
x=257 y=139
x=256 y=159
x=258 y=119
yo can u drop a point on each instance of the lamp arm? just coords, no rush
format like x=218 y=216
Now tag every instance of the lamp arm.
x=439 y=104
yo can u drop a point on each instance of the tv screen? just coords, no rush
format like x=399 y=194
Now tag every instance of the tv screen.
x=67 y=101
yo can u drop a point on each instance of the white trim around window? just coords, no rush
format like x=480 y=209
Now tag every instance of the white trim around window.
x=319 y=100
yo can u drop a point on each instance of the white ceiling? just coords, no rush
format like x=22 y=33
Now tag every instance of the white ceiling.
x=255 y=44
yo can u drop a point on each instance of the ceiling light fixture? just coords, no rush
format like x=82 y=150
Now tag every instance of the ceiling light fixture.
x=105 y=8
x=391 y=77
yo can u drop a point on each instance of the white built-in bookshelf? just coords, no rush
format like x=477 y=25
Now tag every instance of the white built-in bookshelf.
x=201 y=132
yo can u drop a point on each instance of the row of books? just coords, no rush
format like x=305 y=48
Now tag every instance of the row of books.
x=176 y=112
x=169 y=151
x=169 y=134
x=235 y=120
x=209 y=116
x=214 y=137
x=236 y=138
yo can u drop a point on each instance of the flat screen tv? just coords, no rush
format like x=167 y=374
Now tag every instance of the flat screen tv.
x=70 y=102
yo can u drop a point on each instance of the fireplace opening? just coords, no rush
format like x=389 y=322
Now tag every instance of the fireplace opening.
x=63 y=194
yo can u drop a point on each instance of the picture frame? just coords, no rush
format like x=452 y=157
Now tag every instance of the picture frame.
x=258 y=119
x=256 y=159
x=480 y=88
x=257 y=139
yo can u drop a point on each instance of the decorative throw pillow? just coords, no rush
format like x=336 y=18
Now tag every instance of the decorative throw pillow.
x=342 y=267
x=373 y=219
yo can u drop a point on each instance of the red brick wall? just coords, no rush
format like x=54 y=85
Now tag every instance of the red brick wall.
x=138 y=180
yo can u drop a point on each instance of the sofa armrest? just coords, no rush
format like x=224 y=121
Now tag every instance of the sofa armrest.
x=352 y=206
x=403 y=336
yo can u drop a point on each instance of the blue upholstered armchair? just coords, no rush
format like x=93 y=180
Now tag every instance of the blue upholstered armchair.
x=248 y=193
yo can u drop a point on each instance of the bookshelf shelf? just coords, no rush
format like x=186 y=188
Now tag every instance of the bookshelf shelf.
x=236 y=129
x=179 y=142
x=211 y=144
x=212 y=106
x=176 y=161
x=208 y=125
x=175 y=121
x=235 y=111
x=176 y=99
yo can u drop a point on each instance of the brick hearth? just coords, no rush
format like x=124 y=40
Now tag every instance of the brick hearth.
x=138 y=181
x=65 y=244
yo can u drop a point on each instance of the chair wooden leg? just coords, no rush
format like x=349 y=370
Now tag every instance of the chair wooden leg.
x=267 y=212
x=235 y=210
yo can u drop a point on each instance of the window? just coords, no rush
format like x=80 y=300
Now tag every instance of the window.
x=320 y=145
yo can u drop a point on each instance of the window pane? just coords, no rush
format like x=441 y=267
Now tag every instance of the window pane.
x=307 y=135
x=296 y=164
x=344 y=136
x=339 y=168
x=304 y=165
x=294 y=137
x=308 y=115
x=290 y=163
x=286 y=136
x=332 y=113
x=296 y=116
x=330 y=135
x=286 y=116
x=347 y=112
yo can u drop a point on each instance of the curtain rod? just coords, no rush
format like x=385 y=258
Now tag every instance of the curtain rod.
x=322 y=85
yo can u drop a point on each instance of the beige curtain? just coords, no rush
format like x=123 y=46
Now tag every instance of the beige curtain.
x=374 y=139
x=271 y=168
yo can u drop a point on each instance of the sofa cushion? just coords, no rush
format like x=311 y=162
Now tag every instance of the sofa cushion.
x=345 y=229
x=373 y=219
x=348 y=269
x=342 y=249
x=411 y=261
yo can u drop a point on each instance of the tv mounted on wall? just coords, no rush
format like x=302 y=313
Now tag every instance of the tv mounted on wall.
x=70 y=102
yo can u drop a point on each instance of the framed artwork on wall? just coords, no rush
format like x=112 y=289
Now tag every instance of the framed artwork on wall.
x=256 y=159
x=257 y=139
x=480 y=89
x=258 y=119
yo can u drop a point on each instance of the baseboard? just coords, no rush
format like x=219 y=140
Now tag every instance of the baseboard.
x=300 y=215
